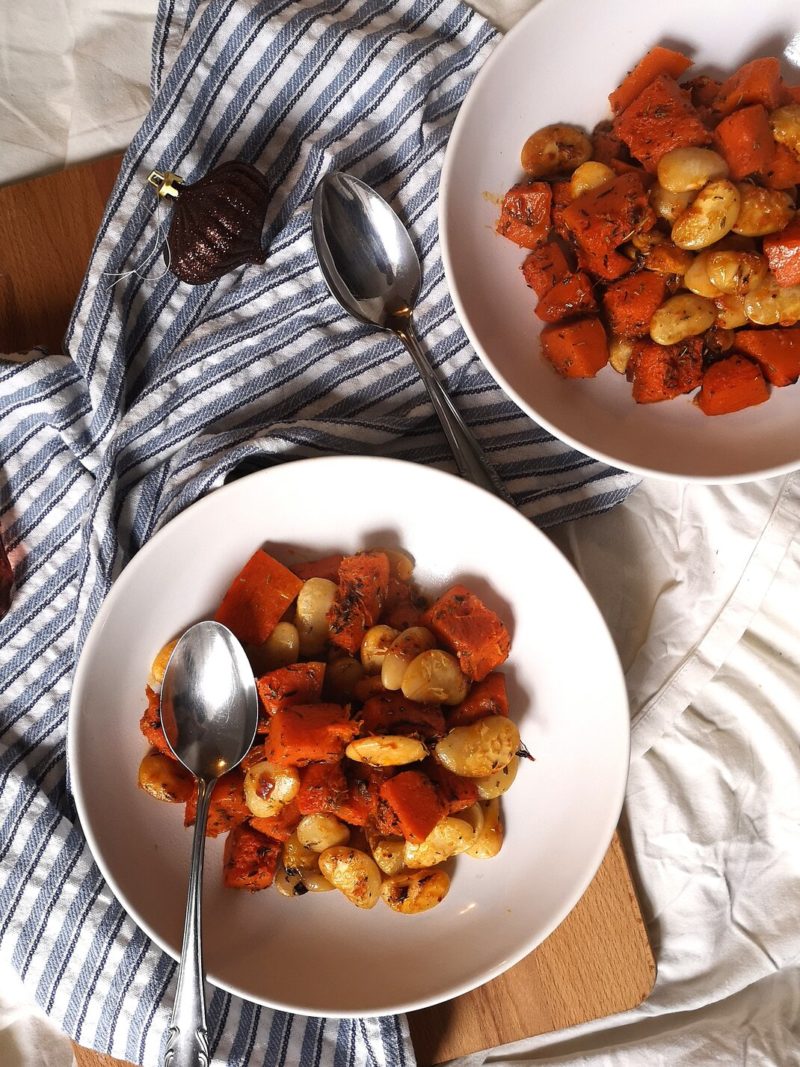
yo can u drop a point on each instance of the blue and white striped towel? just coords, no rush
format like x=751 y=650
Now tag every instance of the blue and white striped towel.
x=166 y=388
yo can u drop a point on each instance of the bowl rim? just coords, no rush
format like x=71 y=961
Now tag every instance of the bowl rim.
x=116 y=593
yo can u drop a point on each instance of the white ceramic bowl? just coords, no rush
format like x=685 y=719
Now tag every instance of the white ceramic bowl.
x=558 y=65
x=319 y=955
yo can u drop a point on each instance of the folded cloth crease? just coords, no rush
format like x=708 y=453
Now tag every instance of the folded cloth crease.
x=165 y=389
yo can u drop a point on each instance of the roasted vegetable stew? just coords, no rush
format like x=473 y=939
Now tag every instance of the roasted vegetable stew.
x=384 y=742
x=666 y=242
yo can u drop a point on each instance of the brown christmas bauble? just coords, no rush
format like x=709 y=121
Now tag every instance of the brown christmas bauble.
x=216 y=221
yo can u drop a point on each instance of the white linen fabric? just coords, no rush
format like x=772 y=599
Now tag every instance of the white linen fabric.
x=698 y=586
x=165 y=389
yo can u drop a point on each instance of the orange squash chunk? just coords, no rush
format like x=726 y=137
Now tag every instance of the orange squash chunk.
x=414 y=801
x=730 y=385
x=776 y=351
x=577 y=349
x=227 y=808
x=782 y=250
x=308 y=733
x=631 y=302
x=662 y=372
x=363 y=589
x=296 y=683
x=569 y=297
x=150 y=723
x=745 y=139
x=657 y=61
x=544 y=266
x=525 y=214
x=659 y=119
x=488 y=697
x=757 y=82
x=257 y=598
x=250 y=859
x=280 y=826
x=474 y=632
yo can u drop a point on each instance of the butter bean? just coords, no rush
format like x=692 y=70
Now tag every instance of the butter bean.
x=412 y=892
x=685 y=169
x=479 y=749
x=682 y=316
x=589 y=175
x=555 y=149
x=762 y=211
x=736 y=272
x=711 y=215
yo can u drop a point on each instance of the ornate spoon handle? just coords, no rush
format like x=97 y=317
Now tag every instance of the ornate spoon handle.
x=187 y=1044
x=469 y=457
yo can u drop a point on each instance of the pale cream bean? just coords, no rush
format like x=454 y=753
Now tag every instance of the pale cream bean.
x=386 y=750
x=281 y=648
x=496 y=783
x=405 y=648
x=375 y=643
x=449 y=837
x=682 y=316
x=773 y=304
x=785 y=123
x=159 y=664
x=316 y=882
x=696 y=277
x=314 y=601
x=668 y=206
x=268 y=788
x=434 y=677
x=483 y=747
x=762 y=211
x=684 y=170
x=589 y=175
x=355 y=874
x=296 y=857
x=711 y=215
x=737 y=272
x=401 y=565
x=730 y=311
x=555 y=149
x=165 y=779
x=412 y=892
x=490 y=840
x=388 y=853
x=321 y=831
x=289 y=883
x=474 y=816
x=620 y=350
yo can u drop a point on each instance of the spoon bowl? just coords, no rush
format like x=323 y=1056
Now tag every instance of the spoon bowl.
x=365 y=253
x=209 y=705
x=370 y=265
x=209 y=713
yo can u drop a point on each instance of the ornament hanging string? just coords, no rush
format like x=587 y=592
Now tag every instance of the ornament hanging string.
x=139 y=269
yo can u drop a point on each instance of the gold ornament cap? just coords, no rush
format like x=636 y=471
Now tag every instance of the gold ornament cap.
x=165 y=184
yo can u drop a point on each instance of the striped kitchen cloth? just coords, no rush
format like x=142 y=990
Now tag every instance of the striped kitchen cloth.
x=165 y=389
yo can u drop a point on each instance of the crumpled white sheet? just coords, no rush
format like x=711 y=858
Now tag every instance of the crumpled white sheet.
x=74 y=81
x=699 y=588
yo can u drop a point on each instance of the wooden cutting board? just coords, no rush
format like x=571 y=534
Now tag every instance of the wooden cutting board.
x=599 y=961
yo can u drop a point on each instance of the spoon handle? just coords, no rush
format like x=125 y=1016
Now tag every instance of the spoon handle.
x=187 y=1044
x=468 y=454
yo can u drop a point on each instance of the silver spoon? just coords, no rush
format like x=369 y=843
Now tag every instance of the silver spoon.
x=209 y=711
x=369 y=263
